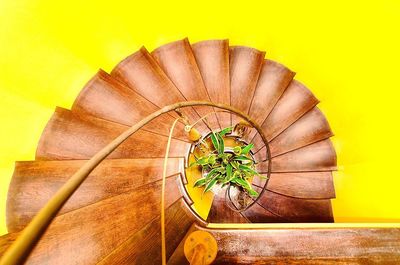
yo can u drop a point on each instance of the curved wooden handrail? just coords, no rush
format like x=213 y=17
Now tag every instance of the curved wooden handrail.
x=21 y=248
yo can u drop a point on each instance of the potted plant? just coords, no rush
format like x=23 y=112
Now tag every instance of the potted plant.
x=222 y=166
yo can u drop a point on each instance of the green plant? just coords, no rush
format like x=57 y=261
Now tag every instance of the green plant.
x=234 y=166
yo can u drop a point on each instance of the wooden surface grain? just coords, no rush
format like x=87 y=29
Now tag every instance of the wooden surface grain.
x=294 y=103
x=88 y=234
x=71 y=136
x=307 y=246
x=35 y=182
x=178 y=62
x=178 y=256
x=295 y=209
x=221 y=213
x=306 y=185
x=144 y=75
x=212 y=57
x=6 y=241
x=259 y=214
x=320 y=156
x=107 y=98
x=272 y=82
x=245 y=65
x=144 y=247
x=310 y=128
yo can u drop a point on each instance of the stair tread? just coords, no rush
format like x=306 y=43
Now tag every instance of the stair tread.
x=294 y=103
x=6 y=241
x=295 y=209
x=245 y=65
x=178 y=62
x=221 y=213
x=257 y=214
x=312 y=127
x=35 y=182
x=319 y=156
x=143 y=74
x=305 y=185
x=212 y=57
x=72 y=136
x=107 y=98
x=272 y=82
x=178 y=257
x=144 y=246
x=90 y=233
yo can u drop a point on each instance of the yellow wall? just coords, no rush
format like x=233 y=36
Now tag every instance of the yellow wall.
x=345 y=51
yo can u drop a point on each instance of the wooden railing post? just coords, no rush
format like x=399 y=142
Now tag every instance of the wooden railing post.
x=199 y=255
x=200 y=248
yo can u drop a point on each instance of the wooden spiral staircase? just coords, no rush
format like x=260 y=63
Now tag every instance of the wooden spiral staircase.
x=114 y=217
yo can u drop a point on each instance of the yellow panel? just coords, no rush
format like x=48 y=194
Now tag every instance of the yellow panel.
x=347 y=52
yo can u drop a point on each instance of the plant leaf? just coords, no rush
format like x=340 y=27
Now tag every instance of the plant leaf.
x=242 y=158
x=247 y=174
x=252 y=192
x=237 y=150
x=234 y=164
x=200 y=182
x=210 y=184
x=212 y=159
x=201 y=161
x=193 y=163
x=234 y=175
x=228 y=171
x=248 y=169
x=221 y=146
x=213 y=172
x=247 y=148
x=241 y=182
x=225 y=131
x=211 y=176
x=245 y=184
x=214 y=141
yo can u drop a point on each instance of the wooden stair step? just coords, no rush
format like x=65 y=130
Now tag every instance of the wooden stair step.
x=272 y=82
x=310 y=128
x=295 y=209
x=107 y=98
x=143 y=74
x=35 y=182
x=258 y=214
x=6 y=241
x=306 y=245
x=178 y=257
x=87 y=235
x=303 y=185
x=245 y=65
x=145 y=245
x=296 y=101
x=212 y=57
x=221 y=213
x=72 y=136
x=319 y=156
x=178 y=62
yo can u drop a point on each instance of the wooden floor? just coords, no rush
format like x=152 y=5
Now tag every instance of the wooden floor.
x=302 y=246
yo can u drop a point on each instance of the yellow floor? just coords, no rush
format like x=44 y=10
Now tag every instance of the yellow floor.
x=347 y=52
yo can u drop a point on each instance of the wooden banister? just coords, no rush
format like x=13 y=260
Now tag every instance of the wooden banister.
x=20 y=249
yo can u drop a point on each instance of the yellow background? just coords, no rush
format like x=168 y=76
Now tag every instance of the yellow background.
x=347 y=52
